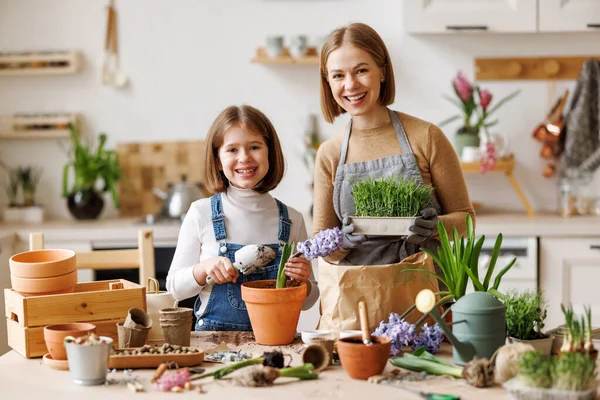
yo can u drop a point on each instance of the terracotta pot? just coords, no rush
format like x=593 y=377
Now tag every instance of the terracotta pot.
x=273 y=313
x=39 y=286
x=54 y=336
x=361 y=361
x=42 y=263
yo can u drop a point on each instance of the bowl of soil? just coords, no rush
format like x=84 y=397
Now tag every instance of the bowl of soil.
x=362 y=361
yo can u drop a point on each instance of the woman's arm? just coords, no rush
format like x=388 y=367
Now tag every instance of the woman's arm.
x=448 y=180
x=324 y=216
x=181 y=282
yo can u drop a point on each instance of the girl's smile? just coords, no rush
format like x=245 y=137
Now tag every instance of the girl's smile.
x=243 y=157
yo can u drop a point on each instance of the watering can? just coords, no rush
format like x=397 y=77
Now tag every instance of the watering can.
x=478 y=324
x=155 y=301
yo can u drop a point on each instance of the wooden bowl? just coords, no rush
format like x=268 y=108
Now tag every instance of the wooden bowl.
x=42 y=263
x=54 y=335
x=361 y=361
x=39 y=286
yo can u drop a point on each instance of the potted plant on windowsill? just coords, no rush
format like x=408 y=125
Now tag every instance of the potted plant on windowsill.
x=274 y=305
x=525 y=316
x=388 y=206
x=89 y=167
x=22 y=207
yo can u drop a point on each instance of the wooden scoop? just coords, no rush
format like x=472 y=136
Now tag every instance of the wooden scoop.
x=364 y=323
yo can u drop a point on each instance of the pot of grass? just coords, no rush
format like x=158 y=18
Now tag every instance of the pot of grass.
x=388 y=206
x=525 y=315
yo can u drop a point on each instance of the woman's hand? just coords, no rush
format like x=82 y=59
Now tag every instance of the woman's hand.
x=220 y=269
x=298 y=268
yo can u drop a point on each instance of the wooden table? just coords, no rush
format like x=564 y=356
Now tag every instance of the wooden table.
x=33 y=379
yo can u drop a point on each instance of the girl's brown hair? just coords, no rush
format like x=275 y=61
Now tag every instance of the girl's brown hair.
x=366 y=38
x=252 y=119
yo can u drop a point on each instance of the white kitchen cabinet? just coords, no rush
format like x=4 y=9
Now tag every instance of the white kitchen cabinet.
x=569 y=15
x=449 y=16
x=570 y=274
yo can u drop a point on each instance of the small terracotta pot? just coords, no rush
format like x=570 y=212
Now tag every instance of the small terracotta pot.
x=273 y=313
x=38 y=286
x=42 y=263
x=54 y=336
x=361 y=361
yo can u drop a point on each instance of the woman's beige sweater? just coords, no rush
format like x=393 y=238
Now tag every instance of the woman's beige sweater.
x=435 y=156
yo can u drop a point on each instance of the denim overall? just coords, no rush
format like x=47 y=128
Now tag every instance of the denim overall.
x=225 y=310
x=382 y=249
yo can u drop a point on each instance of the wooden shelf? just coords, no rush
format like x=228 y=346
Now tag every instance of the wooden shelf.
x=311 y=58
x=37 y=126
x=535 y=68
x=39 y=63
x=505 y=165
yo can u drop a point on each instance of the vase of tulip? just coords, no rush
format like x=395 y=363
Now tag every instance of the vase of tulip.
x=476 y=110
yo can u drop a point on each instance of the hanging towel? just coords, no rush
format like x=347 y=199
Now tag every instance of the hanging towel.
x=582 y=139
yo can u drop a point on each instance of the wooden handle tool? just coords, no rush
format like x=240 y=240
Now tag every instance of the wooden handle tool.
x=364 y=323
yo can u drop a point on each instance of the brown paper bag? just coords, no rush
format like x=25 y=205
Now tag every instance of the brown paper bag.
x=385 y=289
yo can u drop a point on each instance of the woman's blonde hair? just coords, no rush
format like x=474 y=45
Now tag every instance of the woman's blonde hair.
x=252 y=119
x=366 y=38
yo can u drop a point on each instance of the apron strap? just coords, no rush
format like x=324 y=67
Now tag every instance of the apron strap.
x=285 y=223
x=398 y=128
x=218 y=218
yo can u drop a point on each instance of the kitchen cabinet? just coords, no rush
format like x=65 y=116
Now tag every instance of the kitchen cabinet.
x=6 y=251
x=569 y=15
x=451 y=16
x=570 y=273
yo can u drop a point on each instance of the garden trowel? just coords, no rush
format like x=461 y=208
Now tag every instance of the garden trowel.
x=250 y=258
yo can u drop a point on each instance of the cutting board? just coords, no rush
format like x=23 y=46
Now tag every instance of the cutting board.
x=155 y=164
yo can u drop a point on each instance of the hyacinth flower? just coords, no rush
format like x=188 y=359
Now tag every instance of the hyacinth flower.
x=323 y=244
x=431 y=337
x=172 y=379
x=404 y=334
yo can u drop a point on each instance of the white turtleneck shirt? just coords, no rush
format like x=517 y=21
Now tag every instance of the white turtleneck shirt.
x=250 y=218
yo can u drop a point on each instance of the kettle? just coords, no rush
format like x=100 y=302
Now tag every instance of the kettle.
x=478 y=324
x=177 y=201
x=155 y=301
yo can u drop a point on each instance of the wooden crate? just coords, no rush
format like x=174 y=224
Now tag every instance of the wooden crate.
x=91 y=302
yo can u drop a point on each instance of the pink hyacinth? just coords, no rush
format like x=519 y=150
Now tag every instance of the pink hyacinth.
x=171 y=379
x=463 y=87
x=486 y=98
x=488 y=158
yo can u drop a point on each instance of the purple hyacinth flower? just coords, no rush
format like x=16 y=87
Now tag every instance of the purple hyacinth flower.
x=400 y=332
x=323 y=244
x=431 y=338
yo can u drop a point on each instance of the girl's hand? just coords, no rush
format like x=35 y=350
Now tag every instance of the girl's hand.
x=220 y=269
x=298 y=268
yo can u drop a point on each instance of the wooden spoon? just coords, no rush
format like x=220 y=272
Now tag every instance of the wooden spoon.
x=364 y=323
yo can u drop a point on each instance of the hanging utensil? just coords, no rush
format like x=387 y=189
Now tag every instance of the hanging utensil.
x=111 y=74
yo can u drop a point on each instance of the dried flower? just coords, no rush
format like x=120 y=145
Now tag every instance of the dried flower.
x=323 y=244
x=172 y=379
x=431 y=338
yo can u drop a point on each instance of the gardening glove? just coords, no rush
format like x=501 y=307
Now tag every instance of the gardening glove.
x=351 y=241
x=424 y=227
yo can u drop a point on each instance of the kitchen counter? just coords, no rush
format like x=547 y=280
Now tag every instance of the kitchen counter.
x=17 y=373
x=119 y=229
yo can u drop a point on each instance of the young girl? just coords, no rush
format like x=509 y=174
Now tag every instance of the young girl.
x=243 y=162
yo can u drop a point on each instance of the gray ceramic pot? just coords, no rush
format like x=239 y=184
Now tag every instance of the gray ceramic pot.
x=89 y=362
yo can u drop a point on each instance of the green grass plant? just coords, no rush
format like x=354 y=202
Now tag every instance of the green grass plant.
x=525 y=314
x=390 y=197
x=536 y=369
x=573 y=371
x=285 y=255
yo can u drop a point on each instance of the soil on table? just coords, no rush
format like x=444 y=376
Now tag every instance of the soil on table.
x=241 y=340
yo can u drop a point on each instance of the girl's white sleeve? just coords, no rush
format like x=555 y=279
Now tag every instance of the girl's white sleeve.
x=180 y=280
x=313 y=287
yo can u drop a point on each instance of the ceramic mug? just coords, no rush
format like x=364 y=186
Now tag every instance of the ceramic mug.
x=274 y=46
x=298 y=46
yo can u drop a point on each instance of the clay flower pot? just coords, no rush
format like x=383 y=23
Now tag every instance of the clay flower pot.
x=361 y=361
x=273 y=313
x=54 y=336
x=43 y=272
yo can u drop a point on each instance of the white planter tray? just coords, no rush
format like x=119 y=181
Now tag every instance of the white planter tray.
x=520 y=392
x=383 y=226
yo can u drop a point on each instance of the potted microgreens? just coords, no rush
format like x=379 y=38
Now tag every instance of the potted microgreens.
x=525 y=315
x=577 y=334
x=274 y=305
x=388 y=206
x=540 y=376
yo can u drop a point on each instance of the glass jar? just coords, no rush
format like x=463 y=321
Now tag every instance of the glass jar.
x=566 y=197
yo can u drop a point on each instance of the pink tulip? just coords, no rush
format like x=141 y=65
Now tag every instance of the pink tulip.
x=463 y=87
x=488 y=158
x=486 y=98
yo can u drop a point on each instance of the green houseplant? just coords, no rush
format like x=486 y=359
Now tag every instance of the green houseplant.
x=389 y=205
x=525 y=316
x=89 y=167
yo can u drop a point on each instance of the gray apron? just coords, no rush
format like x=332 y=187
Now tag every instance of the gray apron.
x=378 y=250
